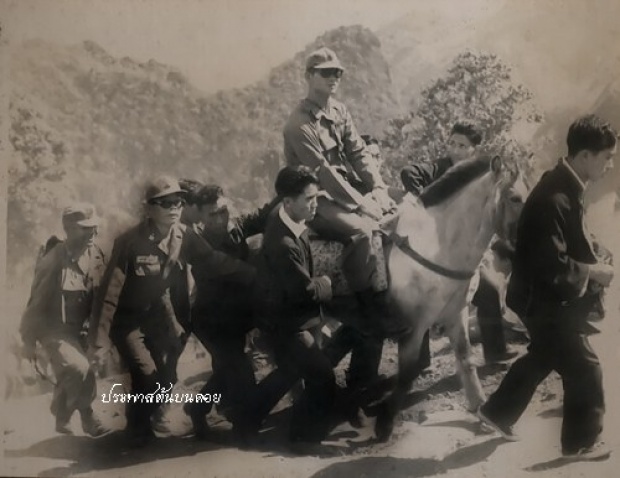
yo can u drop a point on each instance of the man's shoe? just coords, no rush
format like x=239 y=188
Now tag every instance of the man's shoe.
x=63 y=426
x=504 y=430
x=91 y=425
x=597 y=452
x=199 y=421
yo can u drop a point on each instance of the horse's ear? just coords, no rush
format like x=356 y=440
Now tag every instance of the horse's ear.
x=496 y=164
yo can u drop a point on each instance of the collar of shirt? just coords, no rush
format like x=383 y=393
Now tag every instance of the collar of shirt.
x=318 y=111
x=296 y=228
x=575 y=175
x=81 y=263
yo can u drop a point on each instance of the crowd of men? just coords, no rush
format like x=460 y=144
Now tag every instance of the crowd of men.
x=186 y=268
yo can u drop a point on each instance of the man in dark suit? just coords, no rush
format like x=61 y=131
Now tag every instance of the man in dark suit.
x=554 y=269
x=291 y=297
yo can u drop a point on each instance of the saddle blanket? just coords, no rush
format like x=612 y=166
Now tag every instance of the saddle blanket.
x=327 y=257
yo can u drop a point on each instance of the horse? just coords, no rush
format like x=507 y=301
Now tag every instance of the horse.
x=439 y=240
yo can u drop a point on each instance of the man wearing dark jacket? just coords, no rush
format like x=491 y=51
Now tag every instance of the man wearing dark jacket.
x=291 y=299
x=555 y=267
x=222 y=311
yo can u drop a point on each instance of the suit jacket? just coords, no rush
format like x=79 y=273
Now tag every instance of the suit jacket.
x=286 y=291
x=552 y=253
x=418 y=176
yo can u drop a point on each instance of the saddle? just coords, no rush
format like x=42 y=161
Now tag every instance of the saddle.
x=327 y=258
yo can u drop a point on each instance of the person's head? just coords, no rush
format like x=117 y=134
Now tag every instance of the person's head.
x=323 y=73
x=164 y=200
x=213 y=209
x=80 y=222
x=298 y=188
x=372 y=145
x=591 y=147
x=503 y=255
x=190 y=214
x=463 y=141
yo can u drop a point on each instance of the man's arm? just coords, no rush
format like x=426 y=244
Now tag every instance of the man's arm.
x=215 y=264
x=107 y=296
x=302 y=145
x=416 y=177
x=248 y=225
x=358 y=155
x=288 y=263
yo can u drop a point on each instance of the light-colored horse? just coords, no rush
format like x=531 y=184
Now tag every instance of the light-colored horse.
x=440 y=247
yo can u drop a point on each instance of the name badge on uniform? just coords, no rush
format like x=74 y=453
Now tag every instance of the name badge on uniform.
x=147 y=265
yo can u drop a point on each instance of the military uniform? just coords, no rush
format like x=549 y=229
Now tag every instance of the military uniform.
x=56 y=316
x=145 y=307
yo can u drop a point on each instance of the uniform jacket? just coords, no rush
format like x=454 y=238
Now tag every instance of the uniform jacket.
x=317 y=138
x=58 y=303
x=146 y=283
x=552 y=253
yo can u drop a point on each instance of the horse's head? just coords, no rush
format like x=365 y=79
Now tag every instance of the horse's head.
x=511 y=190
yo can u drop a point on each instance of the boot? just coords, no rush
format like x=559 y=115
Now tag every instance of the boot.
x=199 y=420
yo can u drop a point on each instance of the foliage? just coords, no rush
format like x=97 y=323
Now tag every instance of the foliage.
x=477 y=88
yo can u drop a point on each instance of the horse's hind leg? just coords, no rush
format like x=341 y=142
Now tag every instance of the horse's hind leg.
x=459 y=338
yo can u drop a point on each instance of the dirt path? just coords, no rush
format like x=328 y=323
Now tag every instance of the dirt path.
x=435 y=438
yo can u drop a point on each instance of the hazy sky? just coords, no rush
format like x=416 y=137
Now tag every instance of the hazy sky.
x=217 y=43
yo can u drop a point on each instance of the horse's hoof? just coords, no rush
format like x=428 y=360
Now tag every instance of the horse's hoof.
x=384 y=426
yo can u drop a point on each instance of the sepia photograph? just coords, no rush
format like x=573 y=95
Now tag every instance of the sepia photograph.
x=338 y=238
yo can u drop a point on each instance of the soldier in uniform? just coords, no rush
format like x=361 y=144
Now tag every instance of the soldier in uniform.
x=144 y=306
x=67 y=275
x=320 y=134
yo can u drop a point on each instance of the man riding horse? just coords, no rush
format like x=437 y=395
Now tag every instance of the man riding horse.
x=320 y=134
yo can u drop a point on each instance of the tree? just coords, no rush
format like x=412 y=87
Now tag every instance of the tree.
x=477 y=88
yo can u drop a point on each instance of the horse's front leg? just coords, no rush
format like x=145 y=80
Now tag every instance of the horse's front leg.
x=458 y=332
x=409 y=347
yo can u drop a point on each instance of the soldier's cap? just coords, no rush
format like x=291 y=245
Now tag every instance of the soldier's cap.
x=82 y=213
x=323 y=58
x=162 y=186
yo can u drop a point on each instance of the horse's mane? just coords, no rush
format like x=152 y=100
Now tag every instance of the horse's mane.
x=457 y=177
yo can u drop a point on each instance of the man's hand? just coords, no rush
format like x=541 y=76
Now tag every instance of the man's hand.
x=100 y=356
x=602 y=274
x=384 y=201
x=369 y=207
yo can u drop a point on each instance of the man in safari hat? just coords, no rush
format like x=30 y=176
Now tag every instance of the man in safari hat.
x=320 y=134
x=66 y=278
x=144 y=307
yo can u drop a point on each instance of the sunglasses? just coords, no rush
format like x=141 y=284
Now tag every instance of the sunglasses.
x=168 y=203
x=329 y=72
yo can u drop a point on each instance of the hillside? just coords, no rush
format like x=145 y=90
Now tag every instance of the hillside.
x=86 y=125
x=563 y=51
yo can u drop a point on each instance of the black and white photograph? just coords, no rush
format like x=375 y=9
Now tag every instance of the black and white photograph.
x=310 y=239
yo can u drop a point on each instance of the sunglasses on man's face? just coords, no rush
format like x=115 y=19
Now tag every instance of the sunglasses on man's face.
x=168 y=203
x=329 y=72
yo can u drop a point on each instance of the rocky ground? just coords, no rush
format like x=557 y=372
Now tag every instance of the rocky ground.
x=435 y=436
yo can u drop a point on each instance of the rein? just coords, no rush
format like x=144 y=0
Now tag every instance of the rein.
x=403 y=244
